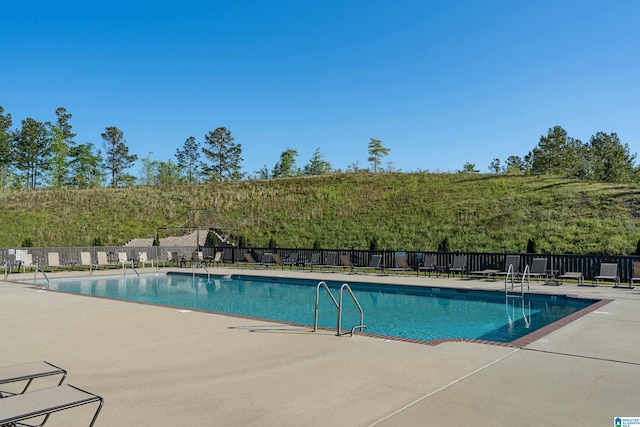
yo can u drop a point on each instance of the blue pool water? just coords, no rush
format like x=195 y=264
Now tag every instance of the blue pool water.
x=421 y=313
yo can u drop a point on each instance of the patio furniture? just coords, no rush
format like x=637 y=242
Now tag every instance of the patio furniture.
x=42 y=403
x=28 y=372
x=608 y=271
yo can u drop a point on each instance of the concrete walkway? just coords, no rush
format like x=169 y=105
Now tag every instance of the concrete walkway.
x=158 y=366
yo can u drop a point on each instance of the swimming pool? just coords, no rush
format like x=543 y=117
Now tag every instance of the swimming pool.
x=406 y=312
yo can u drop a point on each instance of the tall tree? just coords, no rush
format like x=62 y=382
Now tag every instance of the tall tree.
x=376 y=153
x=609 y=159
x=286 y=167
x=558 y=154
x=86 y=166
x=317 y=165
x=224 y=156
x=494 y=166
x=61 y=147
x=189 y=160
x=58 y=158
x=6 y=143
x=118 y=158
x=30 y=150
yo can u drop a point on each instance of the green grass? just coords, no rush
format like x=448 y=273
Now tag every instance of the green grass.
x=401 y=211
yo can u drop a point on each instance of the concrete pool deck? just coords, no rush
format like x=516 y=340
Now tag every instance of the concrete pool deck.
x=161 y=366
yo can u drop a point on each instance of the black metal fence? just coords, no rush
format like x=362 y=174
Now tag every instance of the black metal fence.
x=588 y=265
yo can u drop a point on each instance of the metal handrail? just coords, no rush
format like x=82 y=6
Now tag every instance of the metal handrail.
x=355 y=300
x=35 y=275
x=315 y=314
x=506 y=278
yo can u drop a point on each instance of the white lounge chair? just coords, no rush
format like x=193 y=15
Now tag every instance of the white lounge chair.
x=42 y=403
x=27 y=372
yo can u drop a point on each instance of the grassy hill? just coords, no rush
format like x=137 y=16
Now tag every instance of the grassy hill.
x=401 y=211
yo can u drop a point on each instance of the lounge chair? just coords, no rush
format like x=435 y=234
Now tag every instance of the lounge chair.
x=401 y=264
x=513 y=262
x=28 y=372
x=53 y=260
x=572 y=275
x=277 y=260
x=177 y=260
x=538 y=268
x=346 y=262
x=635 y=273
x=428 y=265
x=459 y=265
x=143 y=259
x=250 y=260
x=332 y=262
x=197 y=258
x=217 y=259
x=608 y=271
x=291 y=260
x=103 y=260
x=375 y=263
x=44 y=402
x=85 y=260
x=124 y=259
x=313 y=261
x=26 y=261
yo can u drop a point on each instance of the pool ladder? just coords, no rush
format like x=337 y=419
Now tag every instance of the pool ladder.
x=526 y=277
x=338 y=305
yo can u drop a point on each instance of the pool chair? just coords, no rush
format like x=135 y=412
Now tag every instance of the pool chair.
x=197 y=258
x=123 y=259
x=103 y=260
x=608 y=271
x=332 y=262
x=217 y=259
x=313 y=261
x=345 y=262
x=26 y=261
x=250 y=260
x=401 y=264
x=85 y=260
x=277 y=260
x=459 y=265
x=513 y=262
x=24 y=374
x=538 y=267
x=571 y=275
x=53 y=260
x=143 y=259
x=16 y=409
x=291 y=260
x=428 y=265
x=175 y=259
x=375 y=263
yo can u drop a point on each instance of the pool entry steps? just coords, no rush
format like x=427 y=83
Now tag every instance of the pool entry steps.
x=511 y=297
x=339 y=306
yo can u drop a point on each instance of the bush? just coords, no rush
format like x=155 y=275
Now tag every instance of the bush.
x=28 y=243
x=97 y=242
x=443 y=246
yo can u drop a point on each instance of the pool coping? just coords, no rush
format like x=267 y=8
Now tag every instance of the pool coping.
x=517 y=343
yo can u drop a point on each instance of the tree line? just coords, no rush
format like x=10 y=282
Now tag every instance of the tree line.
x=604 y=158
x=45 y=154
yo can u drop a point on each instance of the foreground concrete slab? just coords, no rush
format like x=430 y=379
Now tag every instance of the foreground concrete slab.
x=162 y=366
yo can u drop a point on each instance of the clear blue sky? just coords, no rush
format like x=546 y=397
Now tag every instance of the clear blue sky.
x=441 y=83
